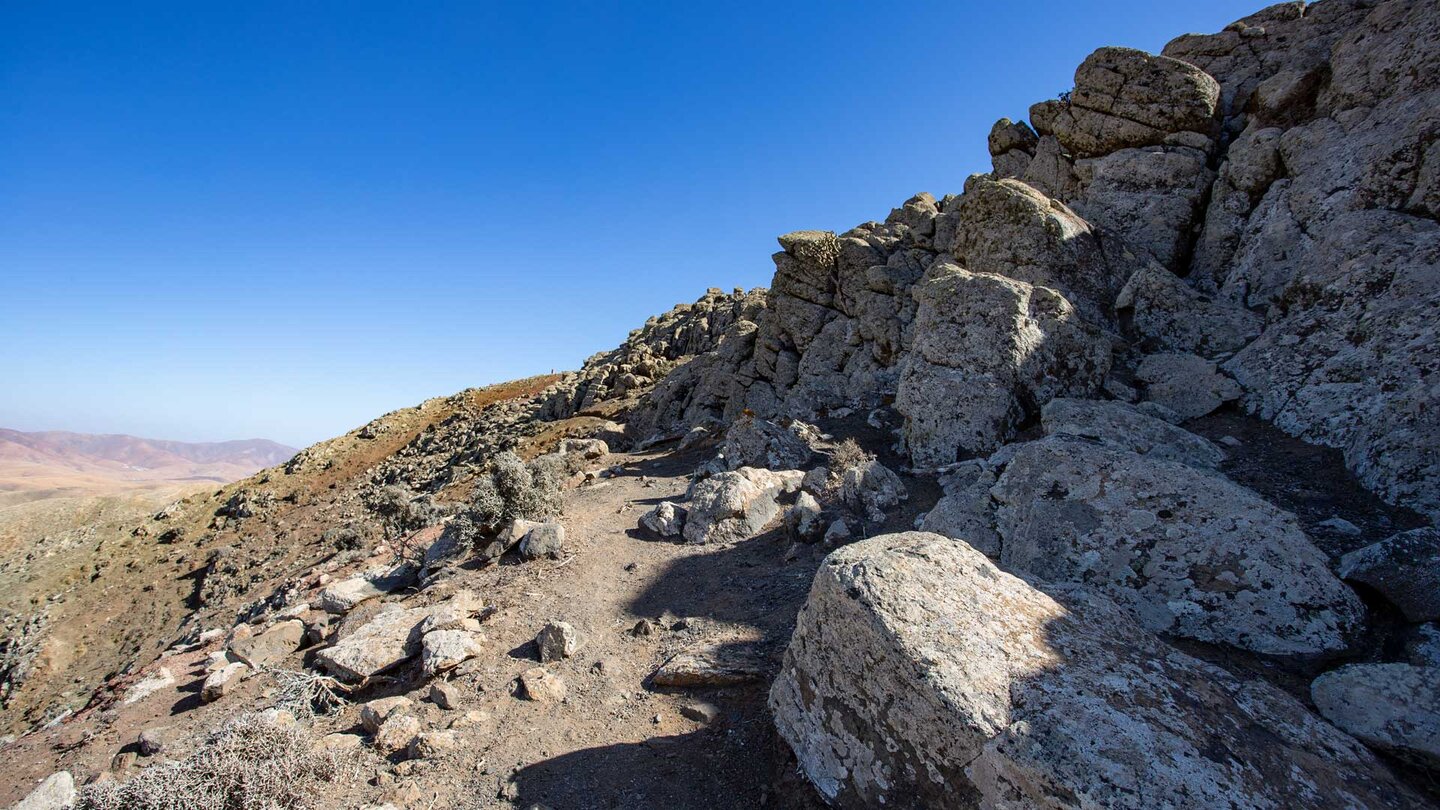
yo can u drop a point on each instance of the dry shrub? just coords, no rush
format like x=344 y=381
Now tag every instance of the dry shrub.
x=848 y=455
x=251 y=763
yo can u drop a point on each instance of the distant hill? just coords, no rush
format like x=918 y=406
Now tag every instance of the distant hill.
x=58 y=463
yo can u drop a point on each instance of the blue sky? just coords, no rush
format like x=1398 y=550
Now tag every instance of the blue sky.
x=279 y=220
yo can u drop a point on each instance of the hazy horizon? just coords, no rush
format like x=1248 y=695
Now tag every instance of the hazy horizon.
x=277 y=222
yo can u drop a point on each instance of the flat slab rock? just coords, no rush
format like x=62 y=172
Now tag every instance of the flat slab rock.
x=1125 y=427
x=922 y=675
x=1393 y=707
x=389 y=639
x=711 y=667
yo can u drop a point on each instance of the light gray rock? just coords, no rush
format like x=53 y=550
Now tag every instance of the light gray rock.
x=557 y=641
x=1392 y=707
x=389 y=639
x=1405 y=569
x=754 y=442
x=374 y=713
x=1123 y=427
x=1167 y=315
x=545 y=540
x=965 y=512
x=56 y=792
x=443 y=650
x=837 y=532
x=805 y=518
x=1422 y=648
x=872 y=488
x=985 y=346
x=920 y=675
x=271 y=646
x=1189 y=385
x=736 y=505
x=1190 y=552
x=223 y=681
x=591 y=449
x=543 y=686
x=667 y=519
x=1151 y=197
x=341 y=596
x=395 y=733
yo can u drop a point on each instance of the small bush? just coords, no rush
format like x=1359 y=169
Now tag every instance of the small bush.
x=515 y=490
x=848 y=455
x=251 y=763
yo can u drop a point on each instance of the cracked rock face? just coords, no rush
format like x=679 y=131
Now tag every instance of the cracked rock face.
x=1190 y=552
x=921 y=675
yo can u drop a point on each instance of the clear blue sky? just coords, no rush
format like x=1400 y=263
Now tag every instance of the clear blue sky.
x=279 y=220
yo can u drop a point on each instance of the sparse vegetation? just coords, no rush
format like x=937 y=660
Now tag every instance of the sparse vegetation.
x=515 y=490
x=848 y=455
x=251 y=763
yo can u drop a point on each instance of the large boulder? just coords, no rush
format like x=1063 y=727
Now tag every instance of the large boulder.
x=1125 y=98
x=920 y=675
x=1167 y=315
x=56 y=792
x=753 y=442
x=1190 y=552
x=736 y=505
x=987 y=349
x=1393 y=707
x=1405 y=569
x=1187 y=384
x=871 y=488
x=1124 y=427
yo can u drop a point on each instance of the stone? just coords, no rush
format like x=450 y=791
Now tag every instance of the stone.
x=341 y=596
x=699 y=711
x=545 y=540
x=1392 y=707
x=805 y=518
x=223 y=681
x=374 y=713
x=986 y=349
x=965 y=511
x=667 y=519
x=1152 y=198
x=542 y=686
x=271 y=646
x=1339 y=525
x=1167 y=315
x=446 y=695
x=150 y=684
x=723 y=666
x=1189 y=385
x=872 y=488
x=153 y=741
x=736 y=505
x=837 y=532
x=56 y=792
x=557 y=641
x=1405 y=569
x=432 y=744
x=386 y=641
x=920 y=675
x=1126 y=98
x=590 y=449
x=1422 y=648
x=753 y=442
x=395 y=733
x=1123 y=427
x=446 y=649
x=1190 y=552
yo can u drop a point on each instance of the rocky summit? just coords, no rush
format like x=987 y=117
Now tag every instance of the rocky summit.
x=1107 y=481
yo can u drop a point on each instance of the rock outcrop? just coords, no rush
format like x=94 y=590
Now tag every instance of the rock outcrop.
x=921 y=675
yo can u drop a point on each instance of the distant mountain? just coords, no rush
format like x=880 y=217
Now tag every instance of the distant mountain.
x=49 y=463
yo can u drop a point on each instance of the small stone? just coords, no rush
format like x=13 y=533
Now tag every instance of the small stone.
x=395 y=733
x=646 y=627
x=556 y=641
x=340 y=743
x=1230 y=441
x=545 y=540
x=432 y=744
x=700 y=712
x=376 y=712
x=666 y=520
x=223 y=681
x=710 y=667
x=474 y=717
x=838 y=532
x=445 y=649
x=542 y=686
x=152 y=741
x=142 y=689
x=271 y=646
x=1340 y=525
x=444 y=694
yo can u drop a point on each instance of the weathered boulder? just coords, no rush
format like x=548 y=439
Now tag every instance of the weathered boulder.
x=965 y=512
x=805 y=519
x=223 y=681
x=1151 y=197
x=585 y=448
x=1167 y=315
x=1393 y=707
x=541 y=685
x=1190 y=552
x=736 y=505
x=374 y=713
x=1123 y=427
x=395 y=733
x=1125 y=98
x=986 y=347
x=1405 y=569
x=667 y=519
x=753 y=442
x=1190 y=386
x=920 y=675
x=56 y=792
x=871 y=488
